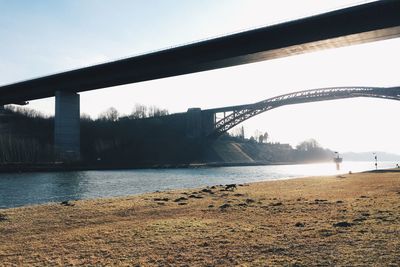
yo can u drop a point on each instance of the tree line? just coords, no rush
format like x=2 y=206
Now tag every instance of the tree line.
x=146 y=136
x=143 y=136
x=139 y=111
x=306 y=151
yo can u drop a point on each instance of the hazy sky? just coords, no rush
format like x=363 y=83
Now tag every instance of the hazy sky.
x=43 y=37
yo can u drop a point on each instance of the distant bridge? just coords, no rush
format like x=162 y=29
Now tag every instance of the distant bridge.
x=209 y=124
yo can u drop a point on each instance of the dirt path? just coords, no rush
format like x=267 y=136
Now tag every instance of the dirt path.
x=346 y=221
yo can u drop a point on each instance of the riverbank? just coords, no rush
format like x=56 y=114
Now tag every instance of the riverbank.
x=340 y=220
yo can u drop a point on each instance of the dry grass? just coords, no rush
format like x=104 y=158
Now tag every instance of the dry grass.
x=299 y=222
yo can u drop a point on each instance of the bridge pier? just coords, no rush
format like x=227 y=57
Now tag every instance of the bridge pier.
x=67 y=126
x=208 y=121
x=193 y=123
x=199 y=123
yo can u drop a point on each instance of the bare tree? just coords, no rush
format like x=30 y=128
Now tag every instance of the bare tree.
x=154 y=111
x=110 y=114
x=265 y=137
x=308 y=145
x=238 y=132
x=139 y=112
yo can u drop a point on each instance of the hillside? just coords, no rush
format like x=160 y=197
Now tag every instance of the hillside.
x=242 y=151
x=112 y=142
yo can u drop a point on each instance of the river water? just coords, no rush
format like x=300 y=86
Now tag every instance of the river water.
x=20 y=189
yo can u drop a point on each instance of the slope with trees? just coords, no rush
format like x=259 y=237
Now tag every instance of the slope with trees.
x=146 y=137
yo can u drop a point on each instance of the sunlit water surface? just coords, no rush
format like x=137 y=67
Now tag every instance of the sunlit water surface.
x=21 y=189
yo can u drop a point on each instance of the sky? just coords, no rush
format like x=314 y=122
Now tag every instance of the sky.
x=42 y=37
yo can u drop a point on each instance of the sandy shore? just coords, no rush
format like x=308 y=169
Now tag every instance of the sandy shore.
x=346 y=221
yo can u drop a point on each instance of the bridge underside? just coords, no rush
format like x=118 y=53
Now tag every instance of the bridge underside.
x=354 y=25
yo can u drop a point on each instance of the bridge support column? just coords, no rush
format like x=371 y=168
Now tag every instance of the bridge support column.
x=193 y=123
x=67 y=126
x=207 y=122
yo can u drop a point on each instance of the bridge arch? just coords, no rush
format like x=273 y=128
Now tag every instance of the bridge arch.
x=234 y=115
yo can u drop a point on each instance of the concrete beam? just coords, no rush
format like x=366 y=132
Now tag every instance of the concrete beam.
x=67 y=126
x=369 y=22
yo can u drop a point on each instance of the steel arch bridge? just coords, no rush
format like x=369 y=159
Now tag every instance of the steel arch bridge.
x=235 y=115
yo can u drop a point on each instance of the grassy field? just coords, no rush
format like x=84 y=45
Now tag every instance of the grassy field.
x=342 y=220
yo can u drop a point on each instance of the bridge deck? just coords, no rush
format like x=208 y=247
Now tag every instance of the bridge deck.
x=364 y=23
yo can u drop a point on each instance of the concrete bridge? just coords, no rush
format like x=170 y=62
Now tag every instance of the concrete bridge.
x=359 y=24
x=212 y=123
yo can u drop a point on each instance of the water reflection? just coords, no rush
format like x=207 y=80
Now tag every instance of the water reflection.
x=30 y=188
x=66 y=185
x=33 y=188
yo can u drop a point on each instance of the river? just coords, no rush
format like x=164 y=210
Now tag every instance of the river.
x=20 y=189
